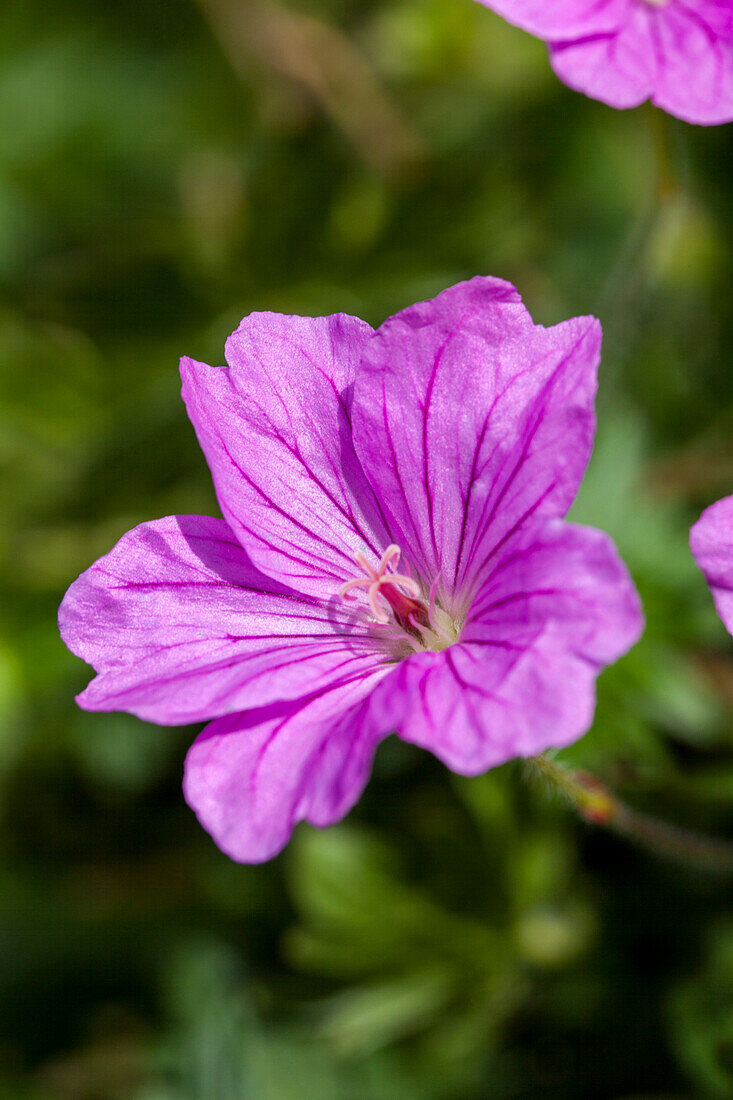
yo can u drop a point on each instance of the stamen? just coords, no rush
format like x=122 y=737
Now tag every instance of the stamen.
x=379 y=614
x=361 y=560
x=392 y=551
x=402 y=579
x=357 y=582
x=395 y=601
x=398 y=590
x=431 y=603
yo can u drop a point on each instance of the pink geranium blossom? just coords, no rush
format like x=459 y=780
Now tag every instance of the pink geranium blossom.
x=678 y=53
x=392 y=558
x=711 y=541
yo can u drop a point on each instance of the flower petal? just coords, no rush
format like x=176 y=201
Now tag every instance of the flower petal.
x=617 y=67
x=711 y=542
x=181 y=627
x=274 y=426
x=550 y=19
x=623 y=52
x=566 y=575
x=251 y=777
x=522 y=677
x=470 y=420
x=695 y=44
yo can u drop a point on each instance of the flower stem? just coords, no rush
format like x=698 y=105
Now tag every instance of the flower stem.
x=666 y=169
x=599 y=806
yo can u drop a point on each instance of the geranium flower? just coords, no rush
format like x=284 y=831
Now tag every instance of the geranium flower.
x=678 y=53
x=391 y=559
x=711 y=542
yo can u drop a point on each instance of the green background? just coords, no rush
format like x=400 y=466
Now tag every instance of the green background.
x=164 y=169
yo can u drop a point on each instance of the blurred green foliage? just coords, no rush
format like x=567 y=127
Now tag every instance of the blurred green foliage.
x=164 y=169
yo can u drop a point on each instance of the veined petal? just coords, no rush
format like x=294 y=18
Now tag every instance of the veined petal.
x=622 y=52
x=678 y=53
x=180 y=627
x=251 y=777
x=618 y=67
x=566 y=575
x=522 y=677
x=694 y=42
x=275 y=428
x=471 y=421
x=711 y=542
x=551 y=19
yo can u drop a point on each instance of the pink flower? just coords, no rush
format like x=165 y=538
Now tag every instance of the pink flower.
x=711 y=542
x=678 y=53
x=392 y=558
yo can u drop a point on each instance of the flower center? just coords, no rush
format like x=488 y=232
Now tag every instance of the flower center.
x=396 y=600
x=656 y=3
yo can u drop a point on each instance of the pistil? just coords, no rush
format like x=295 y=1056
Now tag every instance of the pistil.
x=399 y=591
x=396 y=599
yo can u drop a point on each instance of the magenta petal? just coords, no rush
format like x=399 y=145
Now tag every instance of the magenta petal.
x=711 y=542
x=695 y=78
x=678 y=53
x=274 y=426
x=251 y=777
x=566 y=575
x=522 y=677
x=181 y=627
x=475 y=708
x=470 y=421
x=617 y=68
x=550 y=19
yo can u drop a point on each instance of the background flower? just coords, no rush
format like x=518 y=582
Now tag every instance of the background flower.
x=711 y=541
x=678 y=53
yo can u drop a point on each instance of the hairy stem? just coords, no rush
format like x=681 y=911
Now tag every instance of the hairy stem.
x=599 y=806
